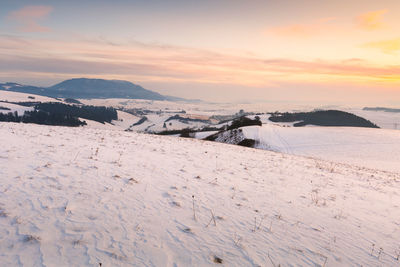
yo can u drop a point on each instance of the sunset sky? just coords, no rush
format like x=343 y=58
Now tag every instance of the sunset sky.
x=221 y=50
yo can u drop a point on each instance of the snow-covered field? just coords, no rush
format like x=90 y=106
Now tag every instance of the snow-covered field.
x=81 y=196
x=386 y=120
x=368 y=147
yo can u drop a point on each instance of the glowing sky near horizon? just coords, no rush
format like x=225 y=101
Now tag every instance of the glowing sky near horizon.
x=223 y=50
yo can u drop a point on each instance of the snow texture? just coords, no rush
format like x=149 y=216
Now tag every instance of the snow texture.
x=81 y=196
x=368 y=147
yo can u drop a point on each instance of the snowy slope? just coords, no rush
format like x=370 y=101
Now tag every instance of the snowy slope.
x=14 y=108
x=155 y=123
x=81 y=196
x=22 y=97
x=368 y=147
x=125 y=120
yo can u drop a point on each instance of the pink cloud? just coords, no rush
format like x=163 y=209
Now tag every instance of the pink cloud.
x=303 y=29
x=28 y=18
x=152 y=62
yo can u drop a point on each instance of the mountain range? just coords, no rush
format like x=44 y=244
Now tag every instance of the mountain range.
x=84 y=88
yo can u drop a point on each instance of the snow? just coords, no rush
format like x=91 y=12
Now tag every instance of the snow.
x=13 y=107
x=386 y=120
x=205 y=134
x=98 y=125
x=125 y=120
x=82 y=196
x=22 y=97
x=155 y=123
x=367 y=147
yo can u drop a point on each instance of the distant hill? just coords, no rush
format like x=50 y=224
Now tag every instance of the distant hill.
x=90 y=88
x=395 y=110
x=98 y=88
x=28 y=89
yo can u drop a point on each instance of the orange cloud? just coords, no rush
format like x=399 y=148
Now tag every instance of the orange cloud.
x=28 y=17
x=371 y=20
x=388 y=46
x=303 y=30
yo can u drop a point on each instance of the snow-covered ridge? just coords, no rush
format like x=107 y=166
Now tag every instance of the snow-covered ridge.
x=22 y=97
x=81 y=196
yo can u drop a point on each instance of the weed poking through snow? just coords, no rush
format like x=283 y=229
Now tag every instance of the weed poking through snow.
x=217 y=259
x=194 y=212
x=212 y=219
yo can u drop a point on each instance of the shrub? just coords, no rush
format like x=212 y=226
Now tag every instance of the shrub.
x=244 y=121
x=247 y=143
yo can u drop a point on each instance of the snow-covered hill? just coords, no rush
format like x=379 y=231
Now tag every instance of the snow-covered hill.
x=81 y=196
x=22 y=97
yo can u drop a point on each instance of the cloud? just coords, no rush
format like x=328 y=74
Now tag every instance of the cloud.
x=28 y=18
x=303 y=29
x=371 y=20
x=387 y=46
x=155 y=62
x=368 y=21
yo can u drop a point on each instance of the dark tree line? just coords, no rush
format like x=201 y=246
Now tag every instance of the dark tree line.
x=141 y=121
x=41 y=117
x=244 y=121
x=72 y=101
x=185 y=120
x=95 y=113
x=395 y=110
